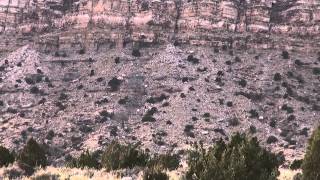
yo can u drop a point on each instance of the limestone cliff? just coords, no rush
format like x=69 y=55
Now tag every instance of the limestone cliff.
x=98 y=24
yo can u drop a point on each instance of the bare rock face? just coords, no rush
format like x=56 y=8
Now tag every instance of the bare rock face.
x=98 y=24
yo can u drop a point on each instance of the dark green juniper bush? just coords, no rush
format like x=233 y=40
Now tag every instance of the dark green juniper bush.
x=6 y=157
x=241 y=159
x=117 y=156
x=311 y=162
x=85 y=160
x=32 y=155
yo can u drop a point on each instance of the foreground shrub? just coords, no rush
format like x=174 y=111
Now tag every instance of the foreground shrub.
x=85 y=160
x=117 y=156
x=311 y=162
x=154 y=174
x=6 y=157
x=241 y=159
x=32 y=155
x=165 y=161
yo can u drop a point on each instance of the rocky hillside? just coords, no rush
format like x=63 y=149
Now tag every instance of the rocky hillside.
x=165 y=97
x=77 y=74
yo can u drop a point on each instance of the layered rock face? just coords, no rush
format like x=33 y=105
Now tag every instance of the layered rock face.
x=102 y=24
x=67 y=80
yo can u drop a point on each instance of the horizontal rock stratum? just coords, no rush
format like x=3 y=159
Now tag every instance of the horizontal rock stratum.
x=78 y=74
x=61 y=24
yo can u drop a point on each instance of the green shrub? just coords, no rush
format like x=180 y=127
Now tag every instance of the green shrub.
x=241 y=159
x=86 y=159
x=165 y=161
x=154 y=174
x=148 y=116
x=6 y=157
x=285 y=54
x=316 y=71
x=32 y=155
x=136 y=53
x=311 y=162
x=296 y=164
x=114 y=84
x=117 y=156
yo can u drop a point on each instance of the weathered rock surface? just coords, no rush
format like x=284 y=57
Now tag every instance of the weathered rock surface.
x=100 y=24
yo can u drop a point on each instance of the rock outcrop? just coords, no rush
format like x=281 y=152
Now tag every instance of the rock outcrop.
x=99 y=24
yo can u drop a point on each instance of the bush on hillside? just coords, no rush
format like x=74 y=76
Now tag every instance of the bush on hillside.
x=118 y=156
x=148 y=116
x=316 y=71
x=311 y=162
x=285 y=54
x=136 y=53
x=32 y=155
x=6 y=157
x=241 y=159
x=85 y=160
x=114 y=84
